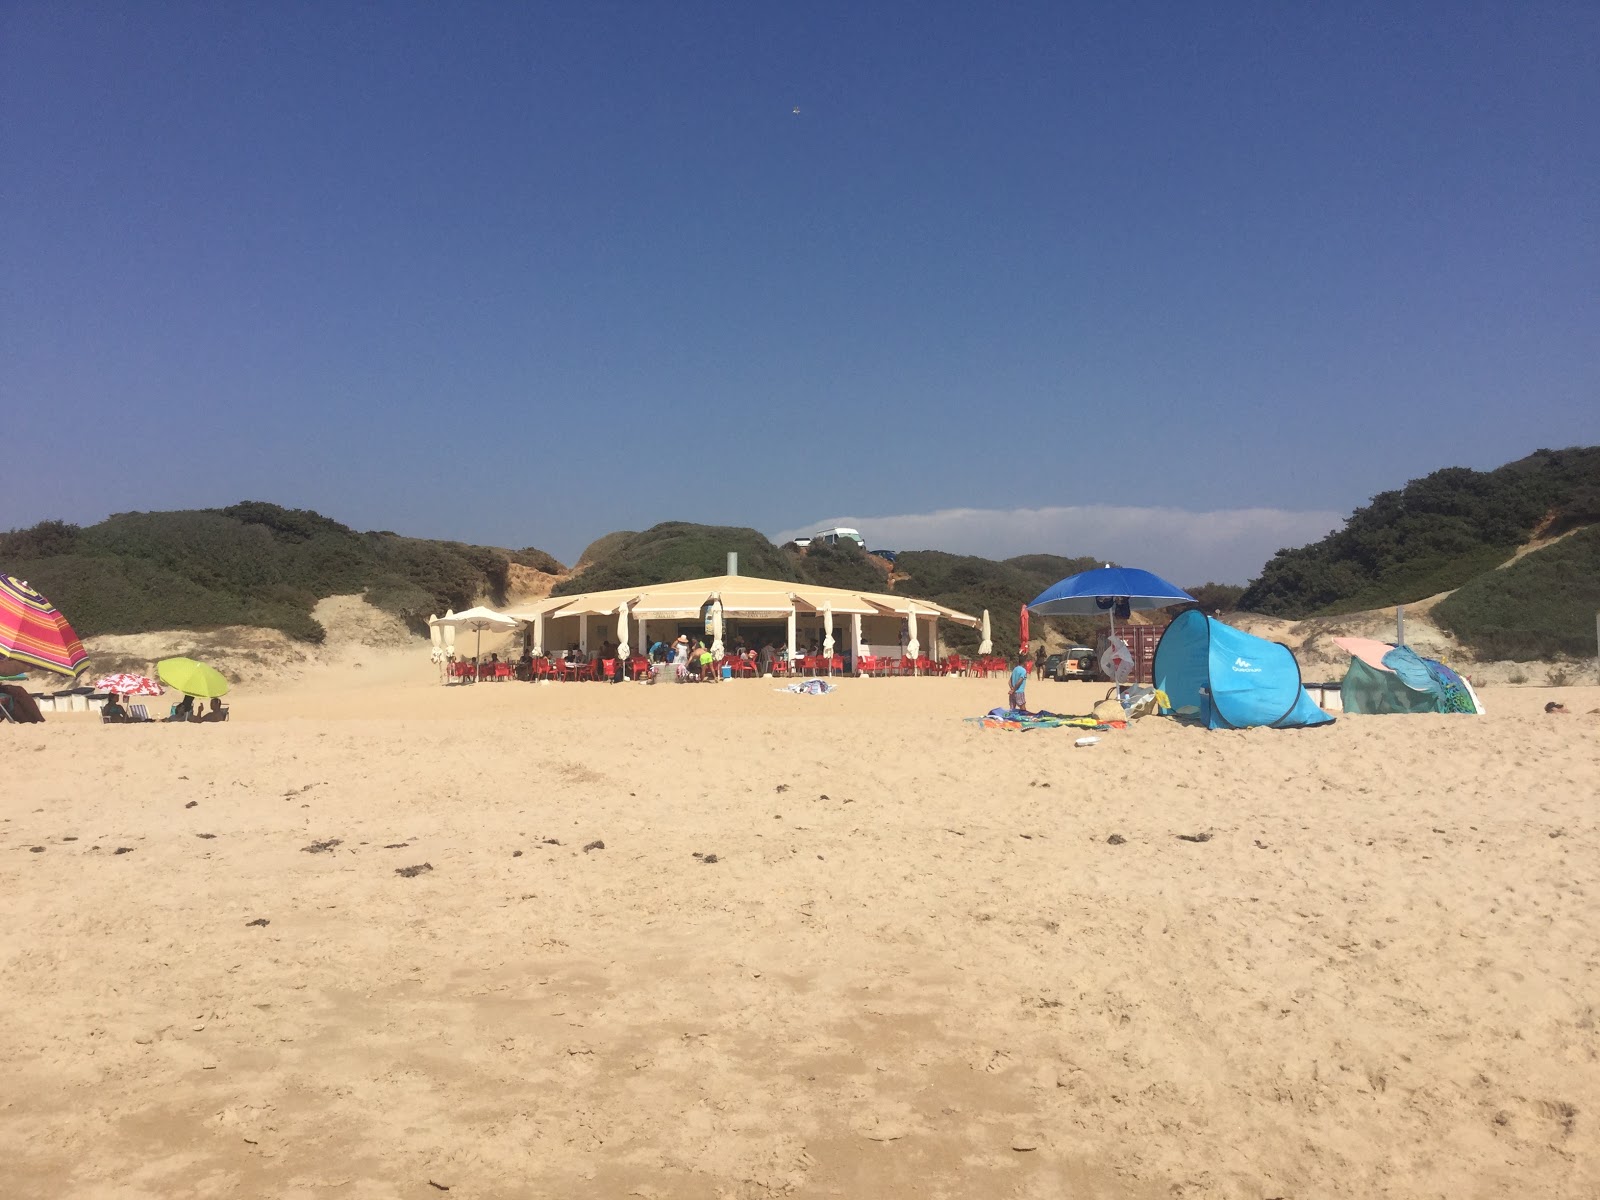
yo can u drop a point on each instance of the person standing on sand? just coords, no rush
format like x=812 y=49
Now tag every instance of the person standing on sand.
x=1038 y=661
x=1017 y=698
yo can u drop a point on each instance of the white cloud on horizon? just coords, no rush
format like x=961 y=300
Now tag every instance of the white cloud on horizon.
x=1225 y=545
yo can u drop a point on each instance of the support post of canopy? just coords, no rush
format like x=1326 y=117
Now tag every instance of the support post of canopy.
x=855 y=642
x=789 y=649
x=644 y=632
x=933 y=635
x=583 y=632
x=538 y=635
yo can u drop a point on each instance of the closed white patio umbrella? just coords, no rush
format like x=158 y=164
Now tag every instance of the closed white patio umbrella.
x=716 y=628
x=622 y=635
x=987 y=645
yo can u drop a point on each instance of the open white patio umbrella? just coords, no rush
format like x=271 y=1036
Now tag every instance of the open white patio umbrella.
x=987 y=645
x=477 y=620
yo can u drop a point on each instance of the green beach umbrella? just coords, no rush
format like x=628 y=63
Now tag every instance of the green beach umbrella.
x=191 y=678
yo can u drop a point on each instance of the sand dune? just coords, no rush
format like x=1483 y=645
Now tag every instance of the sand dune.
x=916 y=968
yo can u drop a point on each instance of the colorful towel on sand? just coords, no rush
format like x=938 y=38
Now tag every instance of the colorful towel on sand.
x=811 y=687
x=1023 y=722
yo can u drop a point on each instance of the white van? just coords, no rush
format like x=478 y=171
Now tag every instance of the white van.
x=833 y=536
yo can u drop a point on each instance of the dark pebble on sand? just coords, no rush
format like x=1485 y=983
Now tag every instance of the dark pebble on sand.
x=259 y=921
x=1116 y=839
x=552 y=841
x=782 y=787
x=597 y=844
x=123 y=850
x=1194 y=837
x=35 y=849
x=516 y=854
x=708 y=859
x=205 y=836
x=397 y=845
x=69 y=839
x=409 y=872
x=321 y=847
x=192 y=804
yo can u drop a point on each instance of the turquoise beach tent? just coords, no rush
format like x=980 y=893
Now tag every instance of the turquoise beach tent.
x=1232 y=679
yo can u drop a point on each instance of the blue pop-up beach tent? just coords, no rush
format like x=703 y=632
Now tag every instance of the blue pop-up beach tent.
x=1231 y=679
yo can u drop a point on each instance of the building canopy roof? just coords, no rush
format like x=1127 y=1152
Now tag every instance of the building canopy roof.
x=740 y=595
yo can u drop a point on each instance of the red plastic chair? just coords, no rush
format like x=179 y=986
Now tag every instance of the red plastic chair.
x=780 y=665
x=836 y=665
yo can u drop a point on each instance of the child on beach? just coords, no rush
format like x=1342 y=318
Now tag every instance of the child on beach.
x=1017 y=699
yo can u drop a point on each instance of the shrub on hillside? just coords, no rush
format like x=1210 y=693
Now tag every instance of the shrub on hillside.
x=1216 y=597
x=40 y=541
x=1541 y=606
x=115 y=594
x=845 y=565
x=677 y=550
x=251 y=563
x=1428 y=537
x=530 y=556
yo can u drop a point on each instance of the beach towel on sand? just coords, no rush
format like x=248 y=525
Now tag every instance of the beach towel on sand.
x=811 y=687
x=1022 y=722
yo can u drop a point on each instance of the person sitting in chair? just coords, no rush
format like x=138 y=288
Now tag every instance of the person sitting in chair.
x=184 y=710
x=217 y=713
x=113 y=711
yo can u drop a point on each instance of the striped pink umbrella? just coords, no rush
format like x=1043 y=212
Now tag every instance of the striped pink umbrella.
x=129 y=685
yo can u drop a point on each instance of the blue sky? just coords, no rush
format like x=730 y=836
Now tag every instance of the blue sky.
x=524 y=274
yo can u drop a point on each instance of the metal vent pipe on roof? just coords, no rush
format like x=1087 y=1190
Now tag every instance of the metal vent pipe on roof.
x=733 y=562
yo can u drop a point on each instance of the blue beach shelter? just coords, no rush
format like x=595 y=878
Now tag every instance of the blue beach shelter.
x=1232 y=679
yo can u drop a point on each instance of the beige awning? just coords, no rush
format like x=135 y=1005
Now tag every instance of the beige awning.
x=811 y=599
x=755 y=604
x=740 y=595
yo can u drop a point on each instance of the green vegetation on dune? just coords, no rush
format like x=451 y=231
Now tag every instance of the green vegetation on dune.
x=971 y=584
x=1432 y=535
x=1542 y=605
x=675 y=550
x=249 y=564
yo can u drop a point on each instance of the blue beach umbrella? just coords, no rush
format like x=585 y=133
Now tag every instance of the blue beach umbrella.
x=1104 y=589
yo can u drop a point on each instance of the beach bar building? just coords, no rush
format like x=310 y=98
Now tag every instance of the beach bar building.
x=723 y=609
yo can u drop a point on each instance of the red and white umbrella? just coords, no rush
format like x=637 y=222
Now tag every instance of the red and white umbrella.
x=129 y=685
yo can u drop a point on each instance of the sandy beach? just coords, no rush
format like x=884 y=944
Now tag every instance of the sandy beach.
x=927 y=960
